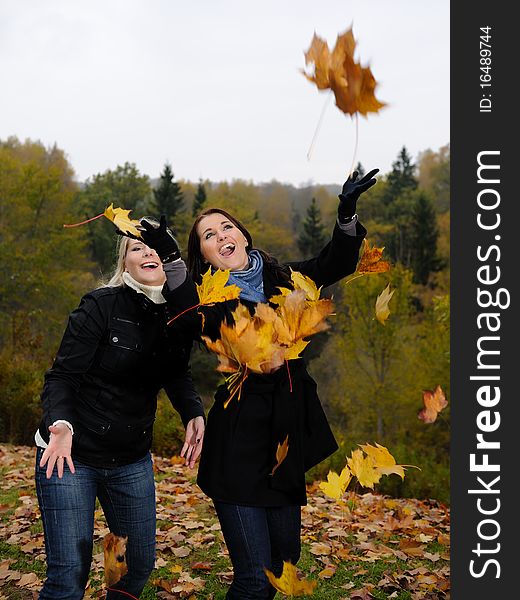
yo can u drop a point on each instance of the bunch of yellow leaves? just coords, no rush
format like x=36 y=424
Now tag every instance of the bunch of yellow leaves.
x=368 y=465
x=353 y=85
x=262 y=342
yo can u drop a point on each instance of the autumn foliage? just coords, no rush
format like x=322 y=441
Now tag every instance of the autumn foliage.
x=353 y=85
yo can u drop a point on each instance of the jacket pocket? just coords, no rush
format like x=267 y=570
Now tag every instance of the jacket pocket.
x=123 y=349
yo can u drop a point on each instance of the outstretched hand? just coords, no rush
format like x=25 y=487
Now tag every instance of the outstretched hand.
x=58 y=450
x=160 y=237
x=352 y=189
x=193 y=443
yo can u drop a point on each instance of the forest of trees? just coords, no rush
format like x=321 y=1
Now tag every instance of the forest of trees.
x=370 y=376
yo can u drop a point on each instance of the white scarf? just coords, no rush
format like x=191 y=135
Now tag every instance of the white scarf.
x=153 y=292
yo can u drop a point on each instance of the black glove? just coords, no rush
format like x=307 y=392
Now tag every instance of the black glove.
x=350 y=193
x=160 y=237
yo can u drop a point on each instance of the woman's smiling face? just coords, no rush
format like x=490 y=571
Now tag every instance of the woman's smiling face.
x=143 y=264
x=222 y=244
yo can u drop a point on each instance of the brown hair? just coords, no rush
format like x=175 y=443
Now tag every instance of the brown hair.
x=196 y=265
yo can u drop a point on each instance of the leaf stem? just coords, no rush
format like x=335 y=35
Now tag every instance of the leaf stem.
x=87 y=221
x=121 y=592
x=318 y=126
x=355 y=277
x=181 y=313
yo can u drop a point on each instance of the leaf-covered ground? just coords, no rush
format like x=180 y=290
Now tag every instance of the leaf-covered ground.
x=368 y=547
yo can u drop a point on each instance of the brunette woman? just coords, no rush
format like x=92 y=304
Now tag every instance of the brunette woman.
x=259 y=512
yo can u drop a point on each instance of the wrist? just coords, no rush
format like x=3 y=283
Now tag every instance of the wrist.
x=345 y=220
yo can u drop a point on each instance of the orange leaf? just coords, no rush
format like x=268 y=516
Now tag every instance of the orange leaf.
x=434 y=401
x=114 y=549
x=370 y=261
x=353 y=85
x=288 y=582
x=281 y=453
x=121 y=219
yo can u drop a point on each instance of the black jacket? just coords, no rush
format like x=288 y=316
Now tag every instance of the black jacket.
x=240 y=441
x=115 y=356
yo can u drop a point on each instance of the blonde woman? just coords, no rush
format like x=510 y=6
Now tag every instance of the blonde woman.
x=99 y=401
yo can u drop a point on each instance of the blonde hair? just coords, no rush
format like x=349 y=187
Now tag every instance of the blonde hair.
x=116 y=279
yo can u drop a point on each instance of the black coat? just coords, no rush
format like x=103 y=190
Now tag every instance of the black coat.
x=115 y=356
x=240 y=441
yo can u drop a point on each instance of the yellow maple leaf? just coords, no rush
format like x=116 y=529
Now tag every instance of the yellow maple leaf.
x=336 y=485
x=281 y=453
x=288 y=583
x=114 y=553
x=434 y=401
x=121 y=219
x=353 y=85
x=213 y=287
x=364 y=469
x=302 y=282
x=294 y=351
x=384 y=462
x=370 y=261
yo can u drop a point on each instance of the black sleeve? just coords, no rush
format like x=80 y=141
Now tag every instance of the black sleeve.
x=181 y=390
x=338 y=258
x=80 y=342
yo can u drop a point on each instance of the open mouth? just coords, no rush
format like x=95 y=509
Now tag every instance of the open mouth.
x=227 y=250
x=149 y=266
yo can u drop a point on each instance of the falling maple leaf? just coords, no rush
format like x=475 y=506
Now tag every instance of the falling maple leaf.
x=370 y=261
x=281 y=453
x=382 y=310
x=121 y=219
x=364 y=469
x=213 y=288
x=288 y=583
x=434 y=401
x=353 y=85
x=114 y=550
x=336 y=485
x=383 y=460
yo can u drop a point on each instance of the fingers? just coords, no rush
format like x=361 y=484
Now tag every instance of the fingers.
x=367 y=185
x=71 y=464
x=368 y=176
x=50 y=466
x=145 y=224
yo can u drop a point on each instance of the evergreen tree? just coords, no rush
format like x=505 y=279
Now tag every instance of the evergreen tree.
x=200 y=199
x=169 y=199
x=312 y=238
x=424 y=239
x=360 y=169
x=123 y=187
x=401 y=178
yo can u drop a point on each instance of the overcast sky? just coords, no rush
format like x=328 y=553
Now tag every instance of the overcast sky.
x=213 y=86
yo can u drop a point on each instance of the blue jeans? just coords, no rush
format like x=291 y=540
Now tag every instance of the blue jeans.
x=127 y=496
x=258 y=538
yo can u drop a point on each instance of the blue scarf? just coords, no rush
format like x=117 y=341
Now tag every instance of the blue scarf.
x=250 y=280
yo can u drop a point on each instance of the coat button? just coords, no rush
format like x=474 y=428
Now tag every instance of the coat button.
x=115 y=339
